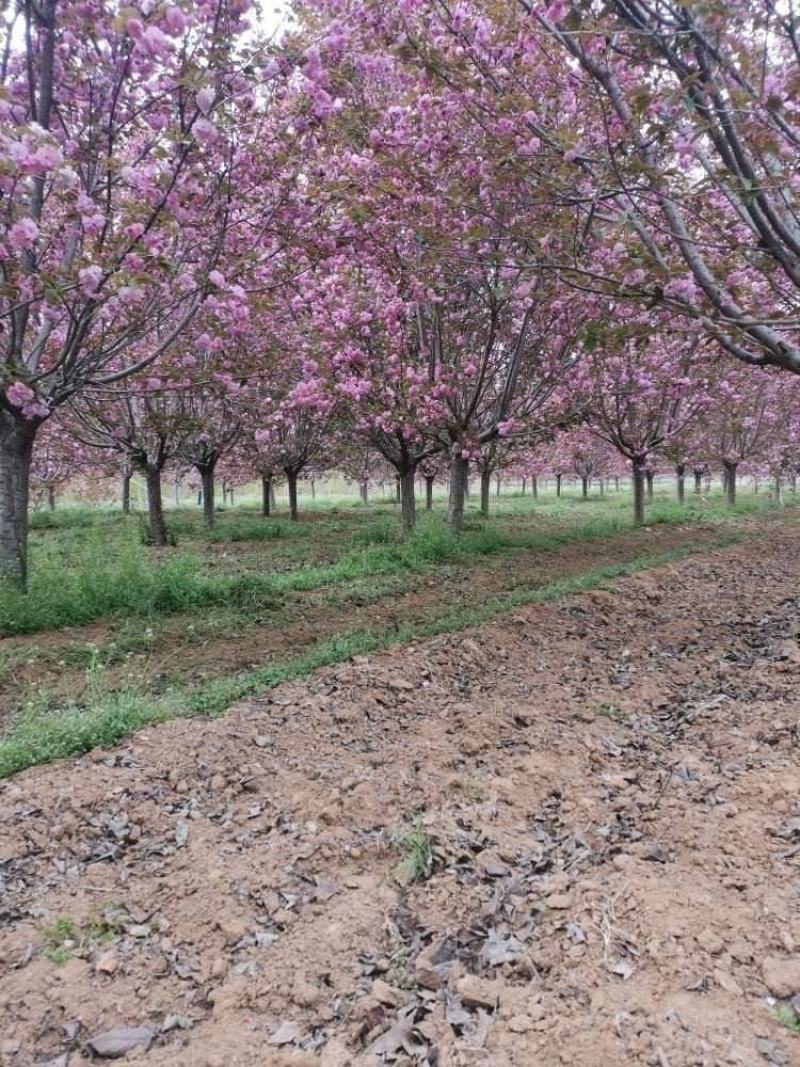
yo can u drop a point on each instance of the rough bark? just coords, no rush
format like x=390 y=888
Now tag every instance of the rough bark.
x=779 y=491
x=51 y=498
x=585 y=488
x=363 y=491
x=486 y=484
x=680 y=482
x=408 y=500
x=638 y=471
x=558 y=484
x=206 y=471
x=126 y=494
x=429 y=493
x=730 y=482
x=266 y=496
x=291 y=482
x=535 y=487
x=16 y=449
x=157 y=533
x=458 y=479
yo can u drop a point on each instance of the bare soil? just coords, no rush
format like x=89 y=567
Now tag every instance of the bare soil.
x=609 y=788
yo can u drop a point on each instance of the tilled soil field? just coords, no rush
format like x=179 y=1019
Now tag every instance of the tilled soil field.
x=571 y=837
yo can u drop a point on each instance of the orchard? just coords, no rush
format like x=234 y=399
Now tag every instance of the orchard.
x=399 y=445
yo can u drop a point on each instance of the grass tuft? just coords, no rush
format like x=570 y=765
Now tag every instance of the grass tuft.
x=416 y=845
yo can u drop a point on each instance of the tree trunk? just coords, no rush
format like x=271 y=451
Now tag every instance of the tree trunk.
x=291 y=482
x=177 y=488
x=486 y=484
x=408 y=501
x=779 y=491
x=497 y=486
x=156 y=525
x=16 y=449
x=730 y=482
x=756 y=484
x=231 y=491
x=272 y=504
x=266 y=496
x=398 y=494
x=793 y=481
x=313 y=489
x=616 y=483
x=429 y=480
x=458 y=480
x=51 y=498
x=206 y=472
x=535 y=487
x=558 y=484
x=126 y=494
x=602 y=487
x=524 y=484
x=638 y=470
x=680 y=482
x=585 y=488
x=698 y=482
x=649 y=478
x=363 y=491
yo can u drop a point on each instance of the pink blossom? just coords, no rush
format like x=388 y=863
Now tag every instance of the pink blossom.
x=174 y=21
x=19 y=394
x=23 y=234
x=90 y=278
x=205 y=100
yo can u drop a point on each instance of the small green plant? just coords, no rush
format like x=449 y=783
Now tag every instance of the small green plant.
x=94 y=675
x=65 y=939
x=416 y=843
x=609 y=711
x=787 y=1017
x=62 y=939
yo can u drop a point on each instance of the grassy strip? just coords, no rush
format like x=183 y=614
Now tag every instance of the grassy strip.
x=72 y=585
x=38 y=736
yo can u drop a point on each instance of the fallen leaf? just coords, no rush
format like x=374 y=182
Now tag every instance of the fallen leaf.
x=286 y=1034
x=620 y=967
x=113 y=1044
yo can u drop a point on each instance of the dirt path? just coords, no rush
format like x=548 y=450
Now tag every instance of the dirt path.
x=609 y=785
x=305 y=619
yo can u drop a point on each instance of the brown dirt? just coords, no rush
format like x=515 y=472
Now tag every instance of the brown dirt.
x=177 y=651
x=610 y=783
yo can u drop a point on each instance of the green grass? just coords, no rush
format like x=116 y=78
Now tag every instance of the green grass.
x=74 y=518
x=42 y=732
x=416 y=845
x=787 y=1018
x=96 y=582
x=71 y=585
